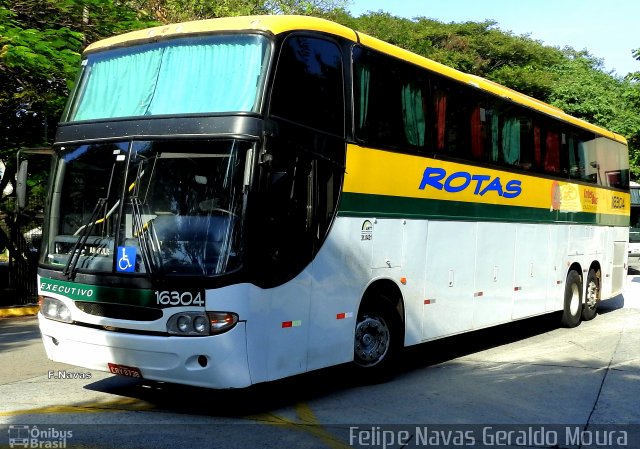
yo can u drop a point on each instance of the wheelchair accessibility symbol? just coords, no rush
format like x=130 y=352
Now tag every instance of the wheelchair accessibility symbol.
x=126 y=259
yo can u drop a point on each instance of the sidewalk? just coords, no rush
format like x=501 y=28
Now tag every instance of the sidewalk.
x=12 y=311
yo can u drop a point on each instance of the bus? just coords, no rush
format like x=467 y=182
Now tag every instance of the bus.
x=239 y=200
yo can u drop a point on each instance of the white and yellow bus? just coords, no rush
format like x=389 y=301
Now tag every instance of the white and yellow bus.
x=243 y=199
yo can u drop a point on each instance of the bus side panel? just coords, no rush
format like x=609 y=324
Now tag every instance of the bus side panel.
x=253 y=305
x=449 y=280
x=557 y=266
x=340 y=273
x=620 y=254
x=531 y=277
x=493 y=292
x=614 y=262
x=413 y=269
x=277 y=324
x=288 y=325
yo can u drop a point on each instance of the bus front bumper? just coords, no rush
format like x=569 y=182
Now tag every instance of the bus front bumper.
x=217 y=361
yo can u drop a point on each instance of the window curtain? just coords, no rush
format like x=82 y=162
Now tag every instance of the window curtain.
x=537 y=146
x=190 y=78
x=477 y=147
x=552 y=155
x=413 y=114
x=114 y=78
x=207 y=78
x=495 y=137
x=511 y=141
x=363 y=108
x=441 y=114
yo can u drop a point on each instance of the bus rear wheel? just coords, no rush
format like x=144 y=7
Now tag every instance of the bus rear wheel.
x=572 y=311
x=592 y=295
x=377 y=340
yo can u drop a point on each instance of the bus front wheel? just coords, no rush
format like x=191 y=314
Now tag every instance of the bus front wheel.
x=572 y=300
x=377 y=340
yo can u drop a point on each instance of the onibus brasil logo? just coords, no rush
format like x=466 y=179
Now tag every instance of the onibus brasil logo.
x=33 y=437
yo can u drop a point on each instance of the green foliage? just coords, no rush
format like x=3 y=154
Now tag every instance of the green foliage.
x=34 y=68
x=170 y=11
x=583 y=90
x=40 y=46
x=632 y=96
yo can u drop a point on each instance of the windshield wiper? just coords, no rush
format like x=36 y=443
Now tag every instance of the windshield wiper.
x=147 y=238
x=85 y=230
x=145 y=231
x=76 y=251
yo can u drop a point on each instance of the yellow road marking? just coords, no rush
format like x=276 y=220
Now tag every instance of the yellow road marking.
x=307 y=423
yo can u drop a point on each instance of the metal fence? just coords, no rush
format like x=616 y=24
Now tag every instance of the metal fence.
x=18 y=274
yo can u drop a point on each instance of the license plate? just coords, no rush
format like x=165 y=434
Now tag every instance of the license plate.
x=121 y=370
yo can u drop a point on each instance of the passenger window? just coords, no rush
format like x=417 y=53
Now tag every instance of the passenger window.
x=583 y=164
x=452 y=115
x=413 y=113
x=478 y=128
x=390 y=98
x=546 y=148
x=308 y=87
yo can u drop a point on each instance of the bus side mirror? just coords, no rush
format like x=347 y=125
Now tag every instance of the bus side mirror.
x=21 y=184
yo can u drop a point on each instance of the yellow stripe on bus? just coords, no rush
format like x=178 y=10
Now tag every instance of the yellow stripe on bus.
x=378 y=172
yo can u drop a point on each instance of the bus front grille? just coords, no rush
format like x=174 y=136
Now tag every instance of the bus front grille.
x=119 y=311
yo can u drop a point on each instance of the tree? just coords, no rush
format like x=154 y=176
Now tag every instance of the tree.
x=633 y=97
x=584 y=90
x=169 y=11
x=40 y=45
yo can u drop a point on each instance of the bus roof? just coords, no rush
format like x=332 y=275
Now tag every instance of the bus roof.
x=277 y=24
x=272 y=24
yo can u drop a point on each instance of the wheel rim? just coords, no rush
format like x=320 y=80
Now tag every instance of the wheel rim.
x=372 y=340
x=592 y=294
x=574 y=305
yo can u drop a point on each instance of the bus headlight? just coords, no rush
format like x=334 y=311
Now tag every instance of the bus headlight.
x=54 y=309
x=201 y=323
x=184 y=321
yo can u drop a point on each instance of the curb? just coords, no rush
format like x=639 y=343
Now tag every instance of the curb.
x=6 y=312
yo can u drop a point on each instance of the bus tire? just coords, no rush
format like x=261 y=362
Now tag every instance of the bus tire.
x=592 y=296
x=572 y=300
x=378 y=340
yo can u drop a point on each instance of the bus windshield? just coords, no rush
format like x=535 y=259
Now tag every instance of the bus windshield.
x=212 y=74
x=170 y=207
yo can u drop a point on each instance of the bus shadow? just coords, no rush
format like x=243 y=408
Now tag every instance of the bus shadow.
x=456 y=346
x=328 y=382
x=231 y=403
x=611 y=305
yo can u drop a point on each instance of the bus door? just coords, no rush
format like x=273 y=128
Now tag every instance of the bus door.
x=33 y=178
x=302 y=165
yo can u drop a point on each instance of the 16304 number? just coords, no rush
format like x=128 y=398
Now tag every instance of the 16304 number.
x=176 y=298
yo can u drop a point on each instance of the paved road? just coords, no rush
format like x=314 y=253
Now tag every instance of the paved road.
x=565 y=387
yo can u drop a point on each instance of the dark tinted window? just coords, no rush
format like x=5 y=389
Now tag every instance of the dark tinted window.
x=390 y=100
x=400 y=105
x=308 y=87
